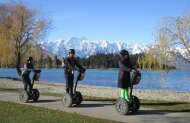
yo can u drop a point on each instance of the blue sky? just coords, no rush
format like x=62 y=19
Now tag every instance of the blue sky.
x=128 y=21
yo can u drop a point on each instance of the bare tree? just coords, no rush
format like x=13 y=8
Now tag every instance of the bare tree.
x=24 y=27
x=173 y=40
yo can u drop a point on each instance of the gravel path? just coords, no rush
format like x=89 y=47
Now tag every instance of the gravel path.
x=100 y=91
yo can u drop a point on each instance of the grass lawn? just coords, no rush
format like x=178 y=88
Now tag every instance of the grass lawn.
x=166 y=105
x=18 y=113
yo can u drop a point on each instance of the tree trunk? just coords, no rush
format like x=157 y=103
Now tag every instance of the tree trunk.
x=18 y=58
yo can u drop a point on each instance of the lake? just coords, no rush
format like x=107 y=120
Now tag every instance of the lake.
x=175 y=80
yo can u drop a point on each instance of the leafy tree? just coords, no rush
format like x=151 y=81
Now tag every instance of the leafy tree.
x=21 y=29
x=6 y=52
x=173 y=34
x=104 y=61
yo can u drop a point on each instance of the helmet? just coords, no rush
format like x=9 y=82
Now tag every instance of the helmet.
x=72 y=51
x=124 y=52
x=30 y=59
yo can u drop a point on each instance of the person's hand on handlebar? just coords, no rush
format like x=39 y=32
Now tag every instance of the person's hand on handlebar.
x=136 y=70
x=82 y=70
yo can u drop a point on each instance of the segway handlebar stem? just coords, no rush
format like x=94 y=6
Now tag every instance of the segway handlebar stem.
x=81 y=74
x=136 y=77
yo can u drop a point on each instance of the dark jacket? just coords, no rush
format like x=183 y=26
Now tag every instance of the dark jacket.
x=70 y=64
x=28 y=67
x=125 y=66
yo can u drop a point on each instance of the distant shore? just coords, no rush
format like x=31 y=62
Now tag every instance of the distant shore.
x=100 y=91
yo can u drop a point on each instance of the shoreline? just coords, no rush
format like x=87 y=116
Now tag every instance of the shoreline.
x=100 y=91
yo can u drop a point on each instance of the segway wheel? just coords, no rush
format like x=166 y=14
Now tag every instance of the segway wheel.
x=135 y=104
x=122 y=106
x=36 y=94
x=67 y=100
x=78 y=98
x=24 y=96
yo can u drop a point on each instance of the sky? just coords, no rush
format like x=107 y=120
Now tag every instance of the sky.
x=127 y=21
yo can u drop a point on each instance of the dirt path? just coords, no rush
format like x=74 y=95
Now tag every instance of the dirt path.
x=105 y=110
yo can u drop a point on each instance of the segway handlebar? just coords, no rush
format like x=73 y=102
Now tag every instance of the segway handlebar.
x=81 y=73
x=136 y=77
x=36 y=75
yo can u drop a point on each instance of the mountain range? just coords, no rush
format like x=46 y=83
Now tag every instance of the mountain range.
x=86 y=48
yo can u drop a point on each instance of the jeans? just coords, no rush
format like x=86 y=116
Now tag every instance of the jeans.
x=69 y=78
x=27 y=82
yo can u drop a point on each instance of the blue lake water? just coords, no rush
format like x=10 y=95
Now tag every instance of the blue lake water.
x=175 y=80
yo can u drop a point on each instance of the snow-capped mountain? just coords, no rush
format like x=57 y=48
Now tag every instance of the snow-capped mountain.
x=86 y=48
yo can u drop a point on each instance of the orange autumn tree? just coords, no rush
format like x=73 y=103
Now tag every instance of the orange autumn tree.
x=21 y=28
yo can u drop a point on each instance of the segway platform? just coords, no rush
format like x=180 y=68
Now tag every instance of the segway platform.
x=69 y=100
x=34 y=94
x=124 y=106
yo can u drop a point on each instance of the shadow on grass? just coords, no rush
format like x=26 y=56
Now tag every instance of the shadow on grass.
x=164 y=104
x=169 y=106
x=10 y=89
x=154 y=112
x=12 y=78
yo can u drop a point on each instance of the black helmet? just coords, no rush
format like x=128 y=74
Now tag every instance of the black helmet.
x=30 y=59
x=124 y=52
x=72 y=51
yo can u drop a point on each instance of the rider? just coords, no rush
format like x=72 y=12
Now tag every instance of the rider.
x=25 y=75
x=70 y=63
x=124 y=79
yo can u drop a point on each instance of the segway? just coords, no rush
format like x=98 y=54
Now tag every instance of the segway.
x=34 y=95
x=124 y=106
x=68 y=100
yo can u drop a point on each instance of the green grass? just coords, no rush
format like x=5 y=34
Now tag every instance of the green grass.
x=155 y=104
x=9 y=90
x=166 y=105
x=18 y=113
